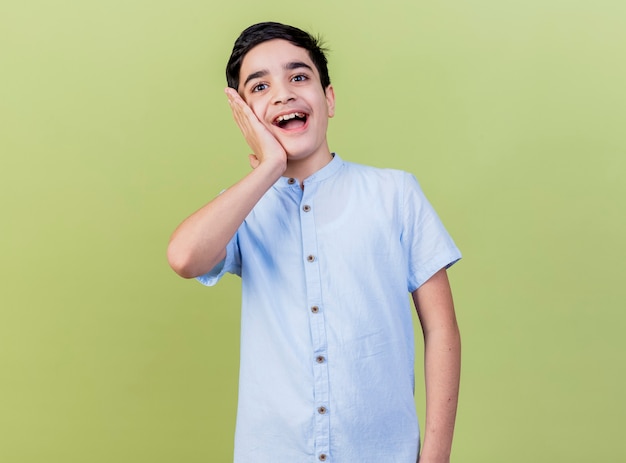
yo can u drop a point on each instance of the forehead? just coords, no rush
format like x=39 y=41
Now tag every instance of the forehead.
x=272 y=56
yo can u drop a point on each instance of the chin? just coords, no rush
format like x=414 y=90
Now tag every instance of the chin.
x=297 y=153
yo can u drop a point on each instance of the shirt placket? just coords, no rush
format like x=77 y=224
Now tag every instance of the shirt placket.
x=318 y=355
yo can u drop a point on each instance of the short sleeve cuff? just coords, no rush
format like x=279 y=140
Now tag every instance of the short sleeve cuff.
x=433 y=266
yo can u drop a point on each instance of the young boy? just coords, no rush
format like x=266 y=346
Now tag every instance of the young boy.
x=327 y=251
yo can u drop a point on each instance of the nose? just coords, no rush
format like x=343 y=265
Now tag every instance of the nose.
x=283 y=94
x=284 y=100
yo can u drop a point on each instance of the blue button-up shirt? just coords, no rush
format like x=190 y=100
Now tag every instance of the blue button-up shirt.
x=327 y=350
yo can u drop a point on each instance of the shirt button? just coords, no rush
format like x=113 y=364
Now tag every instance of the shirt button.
x=315 y=309
x=310 y=258
x=291 y=181
x=323 y=457
x=320 y=359
x=306 y=208
x=321 y=410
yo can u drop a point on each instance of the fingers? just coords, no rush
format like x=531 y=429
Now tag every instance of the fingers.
x=242 y=113
x=263 y=144
x=233 y=96
x=238 y=105
x=254 y=161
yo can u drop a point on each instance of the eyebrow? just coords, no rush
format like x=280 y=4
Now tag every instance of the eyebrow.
x=256 y=75
x=288 y=67
x=296 y=65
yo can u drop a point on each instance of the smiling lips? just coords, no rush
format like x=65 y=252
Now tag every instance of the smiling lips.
x=291 y=121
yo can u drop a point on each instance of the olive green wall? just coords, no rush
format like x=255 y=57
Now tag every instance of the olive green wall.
x=114 y=127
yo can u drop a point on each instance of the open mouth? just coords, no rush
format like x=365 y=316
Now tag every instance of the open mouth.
x=291 y=121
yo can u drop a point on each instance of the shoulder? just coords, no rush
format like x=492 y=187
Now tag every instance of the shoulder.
x=386 y=176
x=387 y=182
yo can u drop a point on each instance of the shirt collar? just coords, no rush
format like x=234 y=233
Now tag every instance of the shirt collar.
x=325 y=172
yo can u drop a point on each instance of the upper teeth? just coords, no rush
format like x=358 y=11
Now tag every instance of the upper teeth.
x=286 y=117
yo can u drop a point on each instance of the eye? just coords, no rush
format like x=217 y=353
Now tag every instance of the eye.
x=299 y=78
x=259 y=87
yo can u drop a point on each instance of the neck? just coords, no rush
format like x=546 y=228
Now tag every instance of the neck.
x=304 y=168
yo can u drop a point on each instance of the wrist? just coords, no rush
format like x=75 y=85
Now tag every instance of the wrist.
x=428 y=456
x=272 y=168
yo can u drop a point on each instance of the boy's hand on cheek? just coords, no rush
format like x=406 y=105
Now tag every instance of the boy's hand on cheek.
x=265 y=147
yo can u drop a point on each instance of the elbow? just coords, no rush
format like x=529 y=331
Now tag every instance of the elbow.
x=189 y=262
x=180 y=261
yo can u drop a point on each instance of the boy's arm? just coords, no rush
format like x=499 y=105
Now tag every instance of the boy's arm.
x=199 y=242
x=442 y=365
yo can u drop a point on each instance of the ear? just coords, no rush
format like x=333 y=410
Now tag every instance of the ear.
x=330 y=100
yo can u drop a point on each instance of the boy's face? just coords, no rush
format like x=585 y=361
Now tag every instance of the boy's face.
x=282 y=86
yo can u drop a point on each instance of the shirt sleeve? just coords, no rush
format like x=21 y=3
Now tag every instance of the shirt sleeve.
x=428 y=245
x=230 y=264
